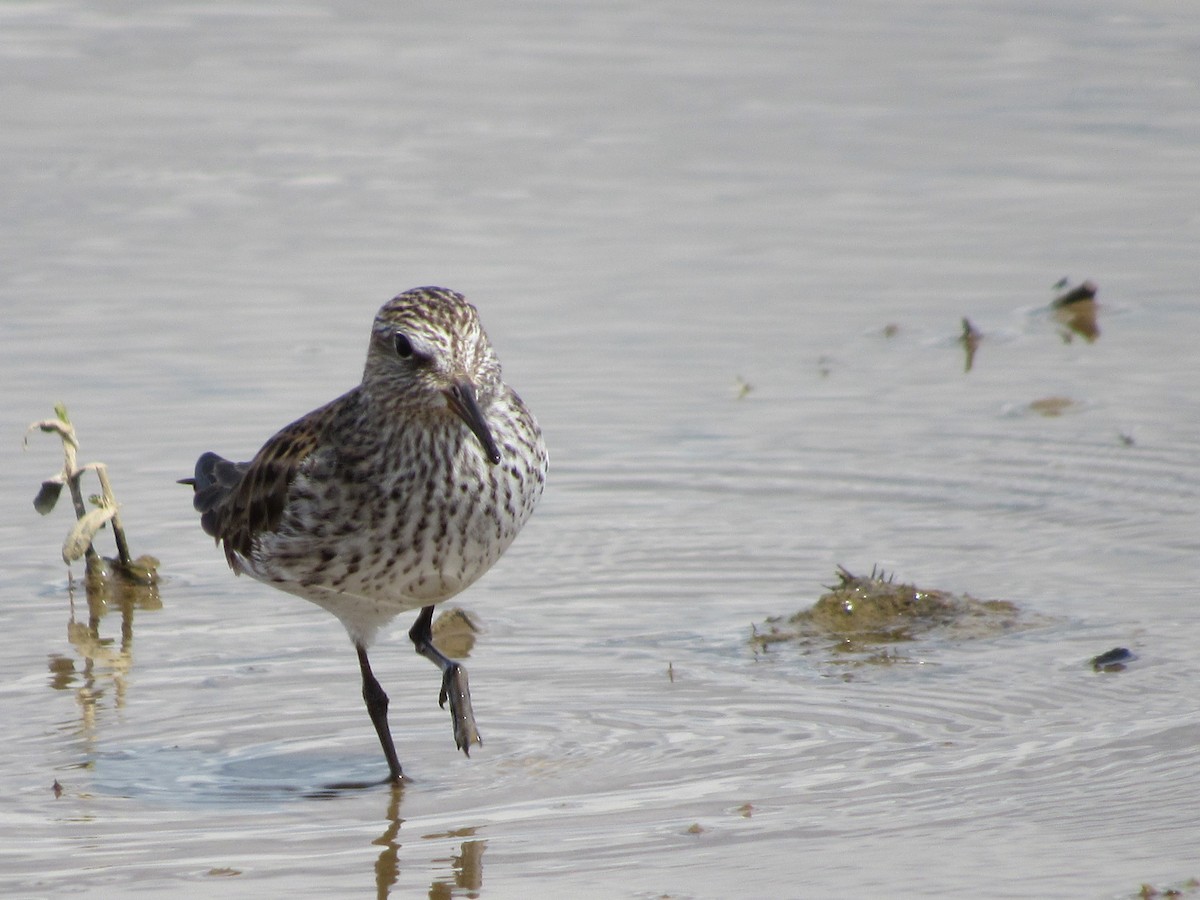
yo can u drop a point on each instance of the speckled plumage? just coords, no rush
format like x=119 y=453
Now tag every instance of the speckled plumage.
x=395 y=496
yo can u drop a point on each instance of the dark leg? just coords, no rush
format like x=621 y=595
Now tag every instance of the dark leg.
x=454 y=682
x=377 y=706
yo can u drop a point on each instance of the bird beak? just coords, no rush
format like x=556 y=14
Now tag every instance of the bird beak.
x=461 y=399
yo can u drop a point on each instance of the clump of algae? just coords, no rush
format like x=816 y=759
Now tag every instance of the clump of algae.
x=871 y=617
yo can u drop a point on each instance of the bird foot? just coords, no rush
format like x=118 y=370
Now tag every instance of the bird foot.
x=458 y=692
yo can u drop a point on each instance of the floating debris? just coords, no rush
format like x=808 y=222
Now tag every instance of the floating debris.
x=1081 y=293
x=1076 y=311
x=57 y=789
x=970 y=339
x=1189 y=888
x=891 y=330
x=1114 y=660
x=741 y=387
x=1050 y=407
x=867 y=620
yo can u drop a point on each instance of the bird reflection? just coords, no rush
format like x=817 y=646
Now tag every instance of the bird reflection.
x=387 y=866
x=466 y=867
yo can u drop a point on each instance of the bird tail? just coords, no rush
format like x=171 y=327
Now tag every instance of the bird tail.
x=215 y=479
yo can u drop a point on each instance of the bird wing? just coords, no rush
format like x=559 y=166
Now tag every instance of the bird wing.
x=239 y=501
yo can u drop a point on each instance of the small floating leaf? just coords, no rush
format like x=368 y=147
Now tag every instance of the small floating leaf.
x=85 y=529
x=48 y=495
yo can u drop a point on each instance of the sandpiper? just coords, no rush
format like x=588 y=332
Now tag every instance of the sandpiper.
x=393 y=497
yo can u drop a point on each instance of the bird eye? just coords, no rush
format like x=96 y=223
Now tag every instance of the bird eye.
x=404 y=347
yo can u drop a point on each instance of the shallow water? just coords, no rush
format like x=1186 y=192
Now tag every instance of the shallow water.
x=651 y=203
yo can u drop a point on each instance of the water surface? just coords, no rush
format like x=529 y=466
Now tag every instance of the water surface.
x=653 y=204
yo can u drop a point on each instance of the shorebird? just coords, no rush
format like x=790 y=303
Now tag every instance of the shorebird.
x=395 y=496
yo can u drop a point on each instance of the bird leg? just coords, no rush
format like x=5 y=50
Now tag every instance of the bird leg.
x=377 y=706
x=454 y=682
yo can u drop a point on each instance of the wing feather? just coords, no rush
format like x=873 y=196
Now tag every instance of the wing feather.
x=240 y=501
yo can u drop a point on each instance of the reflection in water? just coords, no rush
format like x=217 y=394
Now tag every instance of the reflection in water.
x=466 y=866
x=387 y=866
x=106 y=660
